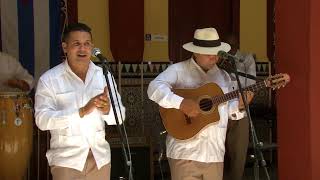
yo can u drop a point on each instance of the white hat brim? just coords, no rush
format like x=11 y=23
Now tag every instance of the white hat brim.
x=207 y=50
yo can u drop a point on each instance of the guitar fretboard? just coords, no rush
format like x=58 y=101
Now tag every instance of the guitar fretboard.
x=235 y=94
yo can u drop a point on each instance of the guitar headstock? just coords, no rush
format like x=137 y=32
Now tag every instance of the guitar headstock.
x=277 y=81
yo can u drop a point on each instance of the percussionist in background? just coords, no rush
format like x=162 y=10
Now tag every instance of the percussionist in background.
x=13 y=76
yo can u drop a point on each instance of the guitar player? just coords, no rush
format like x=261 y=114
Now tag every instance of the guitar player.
x=200 y=157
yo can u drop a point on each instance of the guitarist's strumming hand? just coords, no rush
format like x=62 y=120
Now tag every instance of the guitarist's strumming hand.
x=190 y=107
x=249 y=96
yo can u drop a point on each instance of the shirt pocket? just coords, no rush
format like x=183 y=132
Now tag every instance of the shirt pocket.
x=70 y=141
x=66 y=100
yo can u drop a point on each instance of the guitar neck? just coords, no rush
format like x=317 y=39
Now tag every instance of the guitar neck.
x=235 y=94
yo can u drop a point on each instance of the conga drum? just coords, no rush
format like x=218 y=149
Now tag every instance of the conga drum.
x=16 y=127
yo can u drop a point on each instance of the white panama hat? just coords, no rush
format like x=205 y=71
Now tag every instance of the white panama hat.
x=206 y=41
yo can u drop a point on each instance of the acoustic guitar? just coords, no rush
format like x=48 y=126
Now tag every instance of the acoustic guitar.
x=208 y=96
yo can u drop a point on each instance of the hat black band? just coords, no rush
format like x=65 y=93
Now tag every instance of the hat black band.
x=205 y=43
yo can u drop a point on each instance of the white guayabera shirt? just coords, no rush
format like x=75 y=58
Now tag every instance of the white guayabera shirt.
x=59 y=95
x=208 y=145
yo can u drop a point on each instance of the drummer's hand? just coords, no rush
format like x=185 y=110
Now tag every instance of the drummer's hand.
x=17 y=83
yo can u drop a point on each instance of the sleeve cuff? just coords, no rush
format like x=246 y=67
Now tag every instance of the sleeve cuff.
x=234 y=112
x=176 y=101
x=237 y=115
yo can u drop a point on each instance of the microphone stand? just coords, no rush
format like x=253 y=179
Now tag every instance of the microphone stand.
x=162 y=137
x=255 y=143
x=122 y=132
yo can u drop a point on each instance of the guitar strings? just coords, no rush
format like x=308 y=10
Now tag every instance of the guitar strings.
x=207 y=104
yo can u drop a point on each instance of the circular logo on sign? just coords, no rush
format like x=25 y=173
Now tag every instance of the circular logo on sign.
x=18 y=121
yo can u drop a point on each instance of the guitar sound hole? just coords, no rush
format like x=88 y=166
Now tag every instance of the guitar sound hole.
x=205 y=104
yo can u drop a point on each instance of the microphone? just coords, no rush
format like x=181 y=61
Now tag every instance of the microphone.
x=97 y=53
x=225 y=55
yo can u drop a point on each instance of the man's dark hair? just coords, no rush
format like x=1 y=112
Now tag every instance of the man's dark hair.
x=75 y=27
x=233 y=40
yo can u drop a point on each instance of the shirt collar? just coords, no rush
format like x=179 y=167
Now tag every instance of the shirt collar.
x=91 y=70
x=212 y=70
x=92 y=66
